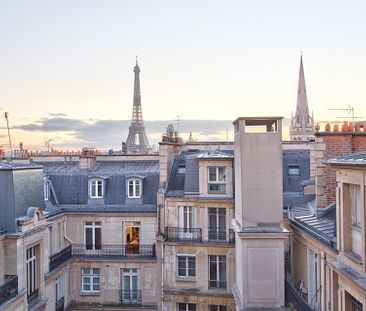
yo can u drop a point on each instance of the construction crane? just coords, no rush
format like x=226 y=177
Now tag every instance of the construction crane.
x=6 y=115
x=47 y=144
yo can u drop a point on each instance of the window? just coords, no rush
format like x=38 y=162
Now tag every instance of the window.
x=217 y=271
x=134 y=188
x=92 y=235
x=91 y=280
x=356 y=305
x=46 y=190
x=31 y=272
x=217 y=179
x=293 y=170
x=181 y=170
x=216 y=308
x=59 y=288
x=186 y=266
x=96 y=188
x=131 y=293
x=217 y=223
x=186 y=306
x=186 y=217
x=356 y=205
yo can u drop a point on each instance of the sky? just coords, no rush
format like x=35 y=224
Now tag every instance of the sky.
x=66 y=67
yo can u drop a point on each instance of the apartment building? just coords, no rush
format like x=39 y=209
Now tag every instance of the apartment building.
x=326 y=267
x=199 y=253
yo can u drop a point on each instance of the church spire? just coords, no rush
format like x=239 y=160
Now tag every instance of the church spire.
x=302 y=124
x=137 y=140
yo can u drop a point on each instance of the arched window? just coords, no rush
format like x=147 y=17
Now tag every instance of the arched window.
x=96 y=188
x=134 y=189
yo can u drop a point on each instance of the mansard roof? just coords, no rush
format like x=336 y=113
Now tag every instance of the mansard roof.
x=356 y=159
x=70 y=183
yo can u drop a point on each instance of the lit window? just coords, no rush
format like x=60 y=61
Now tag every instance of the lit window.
x=134 y=188
x=46 y=190
x=96 y=188
x=217 y=179
x=90 y=280
x=186 y=266
x=293 y=170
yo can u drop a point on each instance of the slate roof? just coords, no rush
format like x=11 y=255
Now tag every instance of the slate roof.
x=321 y=226
x=358 y=159
x=71 y=184
x=184 y=174
x=5 y=166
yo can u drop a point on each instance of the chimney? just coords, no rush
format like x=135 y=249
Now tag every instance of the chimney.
x=86 y=161
x=259 y=235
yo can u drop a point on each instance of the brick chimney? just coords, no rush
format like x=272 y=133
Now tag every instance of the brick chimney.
x=330 y=144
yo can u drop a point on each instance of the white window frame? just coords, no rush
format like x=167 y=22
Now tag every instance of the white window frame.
x=46 y=190
x=217 y=262
x=31 y=262
x=186 y=305
x=187 y=256
x=93 y=183
x=92 y=277
x=217 y=180
x=134 y=182
x=94 y=225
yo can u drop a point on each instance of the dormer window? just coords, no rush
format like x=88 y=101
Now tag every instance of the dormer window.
x=96 y=188
x=134 y=188
x=217 y=179
x=46 y=190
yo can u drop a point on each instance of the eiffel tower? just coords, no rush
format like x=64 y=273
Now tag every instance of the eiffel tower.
x=137 y=140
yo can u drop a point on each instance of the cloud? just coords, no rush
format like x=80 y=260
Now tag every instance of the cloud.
x=107 y=134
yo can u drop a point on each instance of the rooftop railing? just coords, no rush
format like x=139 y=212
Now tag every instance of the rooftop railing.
x=9 y=289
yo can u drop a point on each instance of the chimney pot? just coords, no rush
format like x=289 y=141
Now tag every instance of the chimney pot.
x=327 y=127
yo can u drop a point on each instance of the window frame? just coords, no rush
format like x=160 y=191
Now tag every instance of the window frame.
x=217 y=262
x=217 y=181
x=92 y=277
x=186 y=307
x=186 y=268
x=96 y=188
x=93 y=226
x=135 y=182
x=46 y=190
x=292 y=167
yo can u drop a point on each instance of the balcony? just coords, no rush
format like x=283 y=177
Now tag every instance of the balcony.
x=60 y=304
x=183 y=234
x=217 y=284
x=113 y=251
x=215 y=235
x=59 y=258
x=131 y=296
x=9 y=289
x=292 y=296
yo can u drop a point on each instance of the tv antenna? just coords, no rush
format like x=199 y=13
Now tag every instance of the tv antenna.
x=351 y=113
x=6 y=115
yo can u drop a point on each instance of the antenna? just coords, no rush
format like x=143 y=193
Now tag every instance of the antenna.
x=6 y=115
x=350 y=110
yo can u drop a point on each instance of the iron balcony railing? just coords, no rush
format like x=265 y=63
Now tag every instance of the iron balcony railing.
x=217 y=284
x=131 y=296
x=292 y=296
x=60 y=304
x=9 y=289
x=183 y=234
x=221 y=235
x=31 y=296
x=110 y=251
x=59 y=258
